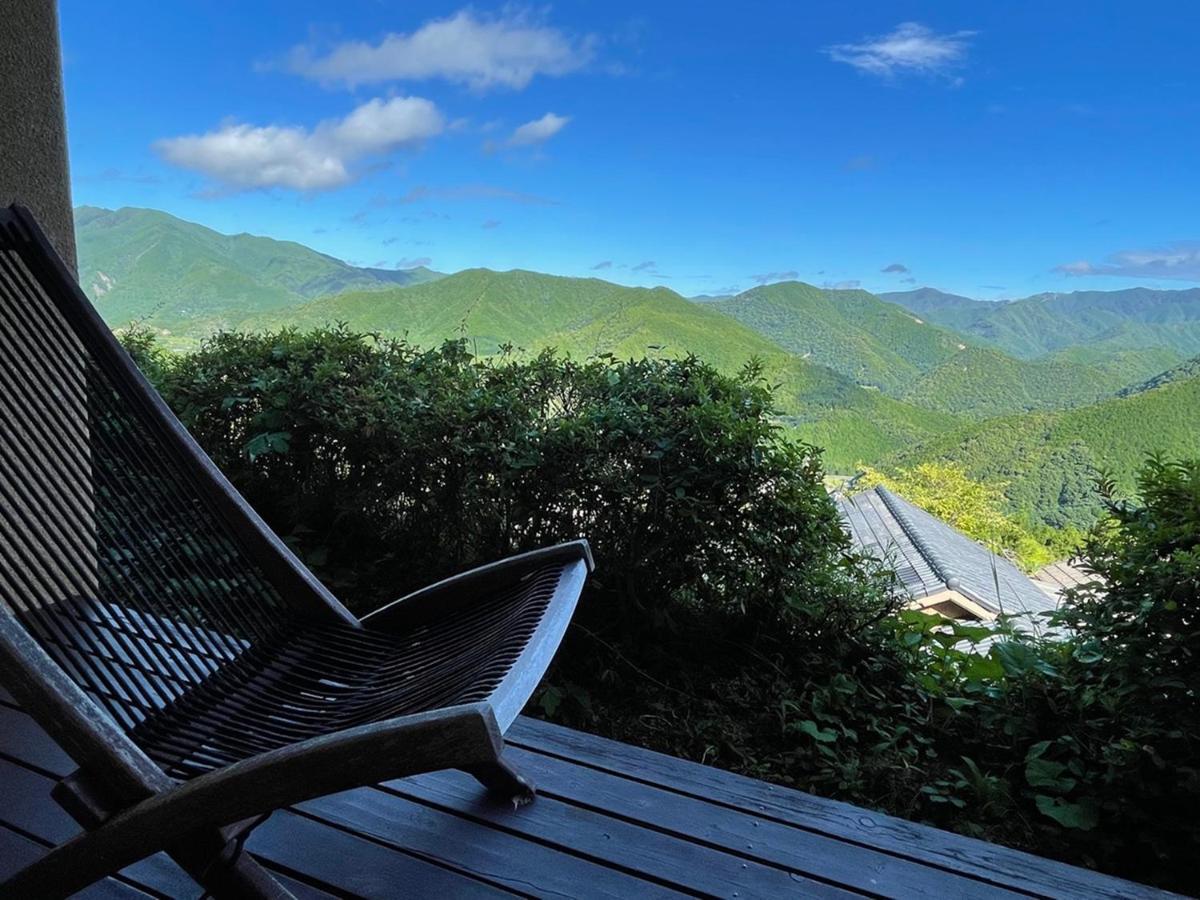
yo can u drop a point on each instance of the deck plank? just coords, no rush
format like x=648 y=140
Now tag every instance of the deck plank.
x=750 y=837
x=920 y=844
x=654 y=858
x=287 y=846
x=18 y=850
x=488 y=853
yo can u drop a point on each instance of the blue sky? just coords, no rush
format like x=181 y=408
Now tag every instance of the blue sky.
x=994 y=150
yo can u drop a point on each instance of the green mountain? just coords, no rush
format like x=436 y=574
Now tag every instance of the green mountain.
x=1137 y=318
x=1050 y=460
x=587 y=316
x=1125 y=365
x=887 y=346
x=982 y=382
x=852 y=332
x=186 y=280
x=928 y=302
x=1185 y=370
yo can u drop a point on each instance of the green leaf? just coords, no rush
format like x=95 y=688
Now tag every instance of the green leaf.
x=1019 y=658
x=1015 y=657
x=1082 y=816
x=550 y=700
x=270 y=442
x=1036 y=751
x=972 y=632
x=1088 y=653
x=824 y=736
x=1045 y=773
x=982 y=668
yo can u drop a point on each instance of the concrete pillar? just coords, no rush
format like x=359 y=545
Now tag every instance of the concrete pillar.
x=33 y=130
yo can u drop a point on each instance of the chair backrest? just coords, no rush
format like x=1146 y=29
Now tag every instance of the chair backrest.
x=123 y=551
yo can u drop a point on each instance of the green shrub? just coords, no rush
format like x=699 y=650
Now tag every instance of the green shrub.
x=1134 y=673
x=386 y=466
x=1088 y=742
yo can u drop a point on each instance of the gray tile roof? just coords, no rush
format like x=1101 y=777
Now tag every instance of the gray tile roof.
x=1059 y=576
x=930 y=557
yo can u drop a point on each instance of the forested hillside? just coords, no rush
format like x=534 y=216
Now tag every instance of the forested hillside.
x=188 y=281
x=1137 y=318
x=851 y=332
x=982 y=382
x=1050 y=461
x=1182 y=372
x=886 y=346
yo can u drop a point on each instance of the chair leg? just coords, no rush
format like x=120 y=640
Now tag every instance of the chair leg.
x=505 y=781
x=213 y=857
x=217 y=861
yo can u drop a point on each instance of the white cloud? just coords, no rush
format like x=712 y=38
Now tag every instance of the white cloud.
x=1177 y=261
x=413 y=262
x=1079 y=267
x=912 y=48
x=243 y=157
x=770 y=277
x=538 y=131
x=505 y=51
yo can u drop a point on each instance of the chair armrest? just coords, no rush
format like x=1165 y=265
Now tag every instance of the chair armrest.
x=459 y=736
x=491 y=577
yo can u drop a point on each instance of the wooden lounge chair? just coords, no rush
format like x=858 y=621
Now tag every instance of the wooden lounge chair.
x=194 y=669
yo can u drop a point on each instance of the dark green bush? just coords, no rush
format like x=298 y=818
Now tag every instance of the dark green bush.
x=386 y=465
x=1086 y=745
x=727 y=621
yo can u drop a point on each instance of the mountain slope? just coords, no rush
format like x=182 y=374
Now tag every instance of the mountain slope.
x=1185 y=370
x=927 y=301
x=983 y=382
x=1050 y=460
x=187 y=280
x=587 y=316
x=1137 y=318
x=852 y=332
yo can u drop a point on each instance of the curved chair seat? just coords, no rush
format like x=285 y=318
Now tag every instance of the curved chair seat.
x=316 y=679
x=308 y=678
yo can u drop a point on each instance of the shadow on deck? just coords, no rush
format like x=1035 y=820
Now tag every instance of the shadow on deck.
x=611 y=821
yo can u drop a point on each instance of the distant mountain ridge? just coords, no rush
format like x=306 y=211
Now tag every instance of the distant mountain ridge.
x=852 y=332
x=182 y=278
x=1135 y=318
x=983 y=382
x=1050 y=460
x=902 y=353
x=1182 y=372
x=926 y=300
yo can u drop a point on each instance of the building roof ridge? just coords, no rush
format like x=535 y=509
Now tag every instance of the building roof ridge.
x=941 y=568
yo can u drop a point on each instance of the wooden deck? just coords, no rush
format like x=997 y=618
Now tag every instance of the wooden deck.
x=611 y=821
